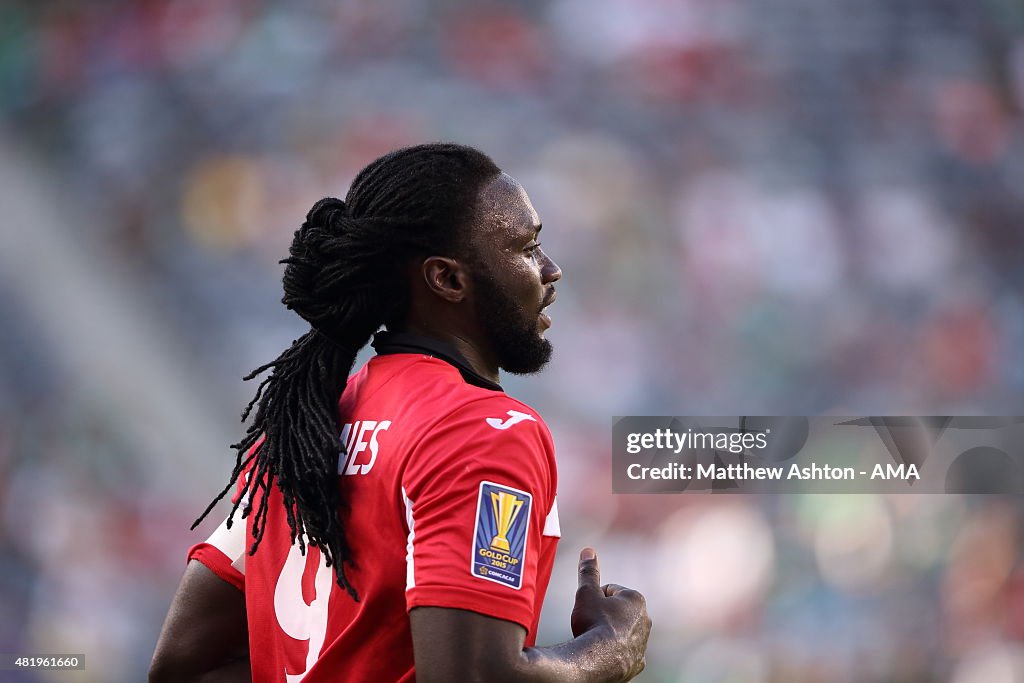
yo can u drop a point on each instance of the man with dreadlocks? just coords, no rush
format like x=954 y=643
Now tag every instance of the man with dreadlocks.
x=404 y=517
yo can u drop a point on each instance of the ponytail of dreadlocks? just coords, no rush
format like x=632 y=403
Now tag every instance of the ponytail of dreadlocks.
x=345 y=276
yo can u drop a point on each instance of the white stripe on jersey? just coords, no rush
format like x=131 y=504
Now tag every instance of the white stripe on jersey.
x=231 y=542
x=551 y=525
x=410 y=575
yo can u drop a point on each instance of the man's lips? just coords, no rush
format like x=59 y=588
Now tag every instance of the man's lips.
x=545 y=319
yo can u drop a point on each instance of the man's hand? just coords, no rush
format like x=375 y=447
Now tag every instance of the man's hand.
x=610 y=624
x=619 y=613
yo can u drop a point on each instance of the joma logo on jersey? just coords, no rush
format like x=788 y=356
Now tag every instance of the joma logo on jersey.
x=360 y=440
x=515 y=417
x=499 y=536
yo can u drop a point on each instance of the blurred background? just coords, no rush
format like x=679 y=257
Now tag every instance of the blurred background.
x=785 y=207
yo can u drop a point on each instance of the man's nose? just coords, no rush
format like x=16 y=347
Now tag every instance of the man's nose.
x=550 y=272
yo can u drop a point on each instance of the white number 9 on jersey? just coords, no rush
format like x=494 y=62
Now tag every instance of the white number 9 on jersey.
x=297 y=619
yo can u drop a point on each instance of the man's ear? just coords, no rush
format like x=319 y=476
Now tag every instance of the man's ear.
x=446 y=277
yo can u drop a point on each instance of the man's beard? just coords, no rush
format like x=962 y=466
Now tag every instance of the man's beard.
x=513 y=333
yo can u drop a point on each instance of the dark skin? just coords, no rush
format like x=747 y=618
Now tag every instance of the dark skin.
x=506 y=236
x=206 y=631
x=205 y=638
x=609 y=624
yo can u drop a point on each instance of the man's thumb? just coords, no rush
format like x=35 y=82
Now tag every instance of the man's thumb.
x=590 y=574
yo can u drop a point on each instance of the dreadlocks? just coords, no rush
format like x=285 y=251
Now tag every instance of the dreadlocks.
x=344 y=275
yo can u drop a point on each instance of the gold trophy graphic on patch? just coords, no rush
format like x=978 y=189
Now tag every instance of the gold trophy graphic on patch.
x=506 y=508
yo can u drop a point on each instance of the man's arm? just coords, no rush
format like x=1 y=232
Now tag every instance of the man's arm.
x=610 y=625
x=205 y=636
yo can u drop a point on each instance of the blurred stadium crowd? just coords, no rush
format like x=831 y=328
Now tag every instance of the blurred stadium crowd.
x=786 y=207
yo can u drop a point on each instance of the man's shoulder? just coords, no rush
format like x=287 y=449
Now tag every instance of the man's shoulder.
x=493 y=438
x=496 y=410
x=491 y=420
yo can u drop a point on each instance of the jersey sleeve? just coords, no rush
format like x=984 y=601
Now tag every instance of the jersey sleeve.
x=223 y=552
x=476 y=492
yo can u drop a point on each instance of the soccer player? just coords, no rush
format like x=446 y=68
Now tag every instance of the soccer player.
x=404 y=517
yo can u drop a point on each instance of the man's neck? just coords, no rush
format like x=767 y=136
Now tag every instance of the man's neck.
x=467 y=348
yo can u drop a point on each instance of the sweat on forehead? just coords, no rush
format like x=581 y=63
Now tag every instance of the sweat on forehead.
x=505 y=210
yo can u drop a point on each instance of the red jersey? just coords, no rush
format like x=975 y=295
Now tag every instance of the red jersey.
x=450 y=493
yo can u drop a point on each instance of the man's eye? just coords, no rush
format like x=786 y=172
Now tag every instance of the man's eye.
x=532 y=249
